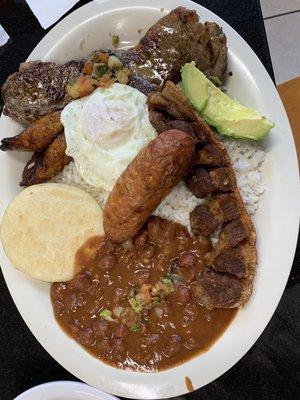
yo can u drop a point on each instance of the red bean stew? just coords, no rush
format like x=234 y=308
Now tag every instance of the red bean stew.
x=132 y=304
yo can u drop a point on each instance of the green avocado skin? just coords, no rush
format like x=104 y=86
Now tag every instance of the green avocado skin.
x=228 y=116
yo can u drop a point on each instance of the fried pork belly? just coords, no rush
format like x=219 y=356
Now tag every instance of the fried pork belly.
x=227 y=280
x=218 y=290
x=37 y=136
x=46 y=165
x=202 y=221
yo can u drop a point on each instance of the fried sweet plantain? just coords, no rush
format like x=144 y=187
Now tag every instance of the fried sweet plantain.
x=37 y=136
x=47 y=164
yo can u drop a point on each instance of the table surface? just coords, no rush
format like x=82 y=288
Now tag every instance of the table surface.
x=268 y=370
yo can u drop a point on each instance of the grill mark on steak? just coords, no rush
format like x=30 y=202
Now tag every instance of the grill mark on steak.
x=227 y=281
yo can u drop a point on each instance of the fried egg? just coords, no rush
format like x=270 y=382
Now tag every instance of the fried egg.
x=105 y=131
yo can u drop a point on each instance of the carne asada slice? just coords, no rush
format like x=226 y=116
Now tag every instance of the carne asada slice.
x=37 y=89
x=178 y=38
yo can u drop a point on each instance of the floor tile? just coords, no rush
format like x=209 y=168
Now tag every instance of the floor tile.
x=274 y=7
x=283 y=35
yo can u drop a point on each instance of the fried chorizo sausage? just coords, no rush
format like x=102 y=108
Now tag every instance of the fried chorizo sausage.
x=146 y=181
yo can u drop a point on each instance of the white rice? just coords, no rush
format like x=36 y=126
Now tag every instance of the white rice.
x=247 y=160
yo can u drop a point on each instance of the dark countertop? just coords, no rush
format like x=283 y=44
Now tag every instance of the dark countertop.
x=268 y=371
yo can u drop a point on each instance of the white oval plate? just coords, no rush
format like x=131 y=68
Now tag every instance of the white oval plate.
x=64 y=390
x=276 y=221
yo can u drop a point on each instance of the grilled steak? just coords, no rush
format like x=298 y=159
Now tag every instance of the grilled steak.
x=174 y=40
x=37 y=89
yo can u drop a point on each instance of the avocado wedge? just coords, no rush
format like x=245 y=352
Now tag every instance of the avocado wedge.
x=228 y=116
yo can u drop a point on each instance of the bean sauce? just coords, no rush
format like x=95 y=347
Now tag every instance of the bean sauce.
x=131 y=305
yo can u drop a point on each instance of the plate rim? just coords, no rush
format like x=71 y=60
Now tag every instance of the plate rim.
x=73 y=385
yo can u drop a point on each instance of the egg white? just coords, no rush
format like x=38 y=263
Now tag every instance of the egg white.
x=105 y=131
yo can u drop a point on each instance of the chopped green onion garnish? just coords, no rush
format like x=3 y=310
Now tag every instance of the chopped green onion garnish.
x=169 y=286
x=163 y=287
x=135 y=327
x=135 y=304
x=107 y=315
x=99 y=69
x=132 y=293
x=175 y=278
x=117 y=311
x=156 y=300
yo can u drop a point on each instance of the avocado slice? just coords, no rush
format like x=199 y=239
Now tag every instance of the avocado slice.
x=228 y=116
x=194 y=87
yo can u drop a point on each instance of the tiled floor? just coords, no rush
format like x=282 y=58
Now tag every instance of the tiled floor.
x=282 y=22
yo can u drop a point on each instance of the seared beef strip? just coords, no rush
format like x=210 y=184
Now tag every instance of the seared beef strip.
x=203 y=221
x=227 y=282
